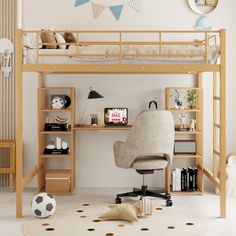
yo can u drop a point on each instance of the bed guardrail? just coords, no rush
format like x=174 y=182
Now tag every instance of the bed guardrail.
x=159 y=40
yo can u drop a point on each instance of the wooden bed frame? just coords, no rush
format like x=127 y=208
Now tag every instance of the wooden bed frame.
x=219 y=89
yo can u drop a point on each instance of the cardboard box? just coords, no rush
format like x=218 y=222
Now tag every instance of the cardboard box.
x=58 y=181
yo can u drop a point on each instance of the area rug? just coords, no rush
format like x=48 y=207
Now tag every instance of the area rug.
x=82 y=220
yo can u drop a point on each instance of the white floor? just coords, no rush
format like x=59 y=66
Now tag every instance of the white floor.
x=206 y=207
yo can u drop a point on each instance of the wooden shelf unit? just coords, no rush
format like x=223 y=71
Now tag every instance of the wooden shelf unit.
x=198 y=133
x=43 y=110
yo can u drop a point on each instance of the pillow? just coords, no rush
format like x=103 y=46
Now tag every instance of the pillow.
x=48 y=37
x=60 y=39
x=70 y=38
x=125 y=212
x=30 y=40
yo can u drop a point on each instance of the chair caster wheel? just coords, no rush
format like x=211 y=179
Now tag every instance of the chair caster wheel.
x=118 y=200
x=169 y=203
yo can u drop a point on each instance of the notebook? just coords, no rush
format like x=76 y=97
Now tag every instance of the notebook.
x=116 y=116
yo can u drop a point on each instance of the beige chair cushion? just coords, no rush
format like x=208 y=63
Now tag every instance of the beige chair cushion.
x=126 y=212
x=149 y=163
x=48 y=37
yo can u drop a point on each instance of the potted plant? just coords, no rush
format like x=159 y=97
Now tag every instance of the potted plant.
x=191 y=98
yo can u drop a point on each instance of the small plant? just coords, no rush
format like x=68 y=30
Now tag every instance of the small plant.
x=191 y=98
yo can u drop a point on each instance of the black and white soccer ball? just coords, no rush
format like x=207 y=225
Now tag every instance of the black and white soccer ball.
x=43 y=205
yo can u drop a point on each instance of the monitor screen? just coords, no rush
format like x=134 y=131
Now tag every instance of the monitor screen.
x=116 y=116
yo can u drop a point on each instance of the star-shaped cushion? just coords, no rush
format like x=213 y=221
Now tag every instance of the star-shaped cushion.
x=127 y=212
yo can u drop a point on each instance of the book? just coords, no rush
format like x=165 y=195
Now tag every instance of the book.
x=191 y=174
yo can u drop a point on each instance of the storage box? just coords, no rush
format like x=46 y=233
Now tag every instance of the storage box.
x=185 y=147
x=58 y=181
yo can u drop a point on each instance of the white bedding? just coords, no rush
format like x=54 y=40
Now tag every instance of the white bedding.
x=213 y=53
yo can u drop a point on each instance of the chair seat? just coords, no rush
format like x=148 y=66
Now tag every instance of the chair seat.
x=149 y=163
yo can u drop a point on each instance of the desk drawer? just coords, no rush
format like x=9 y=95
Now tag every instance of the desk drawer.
x=58 y=181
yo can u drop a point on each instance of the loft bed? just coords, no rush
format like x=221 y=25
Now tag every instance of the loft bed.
x=128 y=52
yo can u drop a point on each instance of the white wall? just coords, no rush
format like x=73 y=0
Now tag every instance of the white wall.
x=95 y=164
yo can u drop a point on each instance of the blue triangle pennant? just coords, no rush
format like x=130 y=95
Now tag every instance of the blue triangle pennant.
x=116 y=11
x=80 y=2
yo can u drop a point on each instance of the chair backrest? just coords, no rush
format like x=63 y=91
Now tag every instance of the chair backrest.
x=152 y=134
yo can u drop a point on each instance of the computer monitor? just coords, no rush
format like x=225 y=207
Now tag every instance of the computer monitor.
x=116 y=116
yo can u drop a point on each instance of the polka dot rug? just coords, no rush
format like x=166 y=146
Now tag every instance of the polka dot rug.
x=83 y=220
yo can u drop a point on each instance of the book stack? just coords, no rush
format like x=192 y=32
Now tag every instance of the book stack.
x=184 y=179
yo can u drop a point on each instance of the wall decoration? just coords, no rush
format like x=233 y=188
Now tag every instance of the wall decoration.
x=136 y=5
x=6 y=51
x=81 y=2
x=97 y=9
x=202 y=7
x=200 y=24
x=116 y=10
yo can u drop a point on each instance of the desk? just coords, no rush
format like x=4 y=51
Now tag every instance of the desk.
x=101 y=127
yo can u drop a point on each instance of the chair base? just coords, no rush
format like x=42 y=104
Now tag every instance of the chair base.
x=143 y=192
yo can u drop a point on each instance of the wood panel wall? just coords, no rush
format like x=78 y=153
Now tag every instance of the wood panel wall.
x=8 y=24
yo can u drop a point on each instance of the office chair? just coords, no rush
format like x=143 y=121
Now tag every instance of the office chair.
x=149 y=147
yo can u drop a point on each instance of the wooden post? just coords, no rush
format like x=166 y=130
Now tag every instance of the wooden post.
x=200 y=137
x=215 y=121
x=19 y=124
x=41 y=140
x=223 y=124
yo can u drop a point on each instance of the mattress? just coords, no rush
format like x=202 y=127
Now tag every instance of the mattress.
x=135 y=55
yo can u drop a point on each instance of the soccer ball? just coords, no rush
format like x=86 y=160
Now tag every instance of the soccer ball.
x=43 y=205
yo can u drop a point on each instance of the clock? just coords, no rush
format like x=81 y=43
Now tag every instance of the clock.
x=60 y=101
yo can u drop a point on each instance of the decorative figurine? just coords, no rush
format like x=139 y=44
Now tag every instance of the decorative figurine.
x=193 y=125
x=182 y=118
x=178 y=100
x=64 y=145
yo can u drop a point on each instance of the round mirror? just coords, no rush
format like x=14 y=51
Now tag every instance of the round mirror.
x=202 y=7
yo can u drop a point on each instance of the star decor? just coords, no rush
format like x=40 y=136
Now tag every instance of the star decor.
x=80 y=2
x=116 y=10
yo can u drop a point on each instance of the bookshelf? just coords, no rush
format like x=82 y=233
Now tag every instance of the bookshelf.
x=196 y=113
x=45 y=111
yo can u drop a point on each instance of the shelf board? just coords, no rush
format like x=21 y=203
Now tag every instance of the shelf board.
x=60 y=194
x=55 y=110
x=184 y=88
x=57 y=88
x=55 y=156
x=184 y=110
x=198 y=192
x=102 y=127
x=188 y=132
x=176 y=156
x=56 y=132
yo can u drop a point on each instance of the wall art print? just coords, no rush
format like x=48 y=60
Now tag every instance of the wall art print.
x=116 y=10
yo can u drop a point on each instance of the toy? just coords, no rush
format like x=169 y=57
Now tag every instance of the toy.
x=182 y=118
x=178 y=100
x=43 y=205
x=193 y=125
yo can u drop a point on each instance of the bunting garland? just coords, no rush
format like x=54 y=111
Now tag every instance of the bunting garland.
x=116 y=10
x=136 y=5
x=81 y=2
x=97 y=9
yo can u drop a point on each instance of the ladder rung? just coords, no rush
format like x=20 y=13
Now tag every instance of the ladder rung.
x=217 y=125
x=216 y=152
x=216 y=98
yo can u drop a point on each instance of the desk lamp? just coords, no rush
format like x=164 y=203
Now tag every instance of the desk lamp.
x=92 y=95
